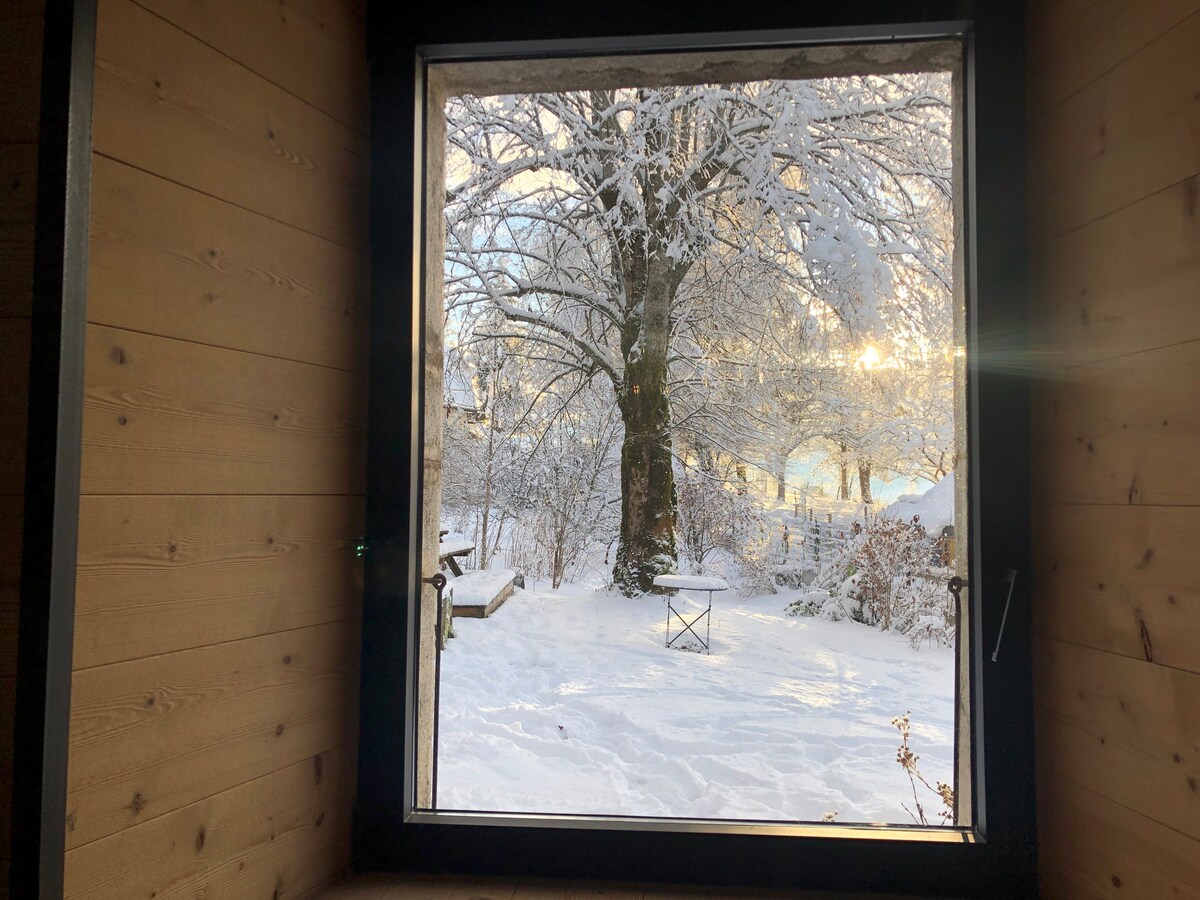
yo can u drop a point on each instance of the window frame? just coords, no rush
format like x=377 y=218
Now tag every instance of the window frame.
x=997 y=853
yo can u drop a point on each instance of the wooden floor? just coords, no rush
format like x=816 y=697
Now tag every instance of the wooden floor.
x=449 y=887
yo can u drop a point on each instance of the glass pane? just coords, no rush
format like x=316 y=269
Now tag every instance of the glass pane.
x=700 y=348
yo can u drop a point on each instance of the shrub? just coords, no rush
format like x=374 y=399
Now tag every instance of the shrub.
x=901 y=583
x=721 y=526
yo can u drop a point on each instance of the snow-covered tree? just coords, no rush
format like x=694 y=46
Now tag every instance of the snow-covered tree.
x=886 y=405
x=596 y=221
x=486 y=412
x=570 y=484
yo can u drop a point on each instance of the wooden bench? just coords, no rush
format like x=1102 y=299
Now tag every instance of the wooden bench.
x=478 y=594
x=473 y=595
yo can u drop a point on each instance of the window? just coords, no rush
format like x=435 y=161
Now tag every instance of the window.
x=480 y=268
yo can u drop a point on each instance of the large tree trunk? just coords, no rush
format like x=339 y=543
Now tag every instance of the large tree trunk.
x=648 y=505
x=864 y=479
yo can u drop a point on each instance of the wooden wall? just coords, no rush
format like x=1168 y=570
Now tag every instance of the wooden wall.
x=214 y=697
x=20 y=95
x=1115 y=229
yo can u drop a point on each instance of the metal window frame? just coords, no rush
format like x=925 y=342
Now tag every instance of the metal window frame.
x=52 y=459
x=994 y=858
x=428 y=57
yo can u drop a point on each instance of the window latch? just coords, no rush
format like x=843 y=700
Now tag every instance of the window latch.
x=439 y=582
x=1011 y=577
x=955 y=586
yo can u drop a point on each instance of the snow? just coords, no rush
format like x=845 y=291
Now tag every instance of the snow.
x=480 y=588
x=568 y=702
x=455 y=547
x=690 y=583
x=935 y=506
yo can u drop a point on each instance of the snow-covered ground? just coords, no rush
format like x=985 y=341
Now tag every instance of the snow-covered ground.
x=567 y=701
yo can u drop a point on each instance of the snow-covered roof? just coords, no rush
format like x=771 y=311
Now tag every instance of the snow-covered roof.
x=935 y=506
x=459 y=392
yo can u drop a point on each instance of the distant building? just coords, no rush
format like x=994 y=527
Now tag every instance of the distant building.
x=461 y=404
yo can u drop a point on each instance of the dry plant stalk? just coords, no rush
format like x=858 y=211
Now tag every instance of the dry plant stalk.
x=909 y=760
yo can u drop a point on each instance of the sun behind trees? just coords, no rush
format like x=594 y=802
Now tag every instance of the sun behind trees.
x=690 y=247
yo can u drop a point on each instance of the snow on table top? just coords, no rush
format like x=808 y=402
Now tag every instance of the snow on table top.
x=690 y=583
x=480 y=588
x=453 y=548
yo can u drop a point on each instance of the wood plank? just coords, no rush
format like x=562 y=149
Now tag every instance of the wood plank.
x=18 y=202
x=167 y=103
x=1124 y=728
x=166 y=416
x=20 y=54
x=8 y=697
x=18 y=187
x=20 y=77
x=1089 y=846
x=10 y=605
x=1121 y=431
x=16 y=274
x=419 y=886
x=153 y=735
x=18 y=9
x=162 y=573
x=282 y=833
x=171 y=261
x=14 y=399
x=1127 y=135
x=1124 y=283
x=1125 y=579
x=344 y=20
x=11 y=534
x=1073 y=43
x=315 y=50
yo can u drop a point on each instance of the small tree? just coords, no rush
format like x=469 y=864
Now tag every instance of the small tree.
x=570 y=486
x=716 y=513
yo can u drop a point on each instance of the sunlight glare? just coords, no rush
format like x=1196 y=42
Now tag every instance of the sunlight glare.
x=870 y=358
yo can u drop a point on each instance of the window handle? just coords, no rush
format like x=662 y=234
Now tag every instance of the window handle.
x=1011 y=577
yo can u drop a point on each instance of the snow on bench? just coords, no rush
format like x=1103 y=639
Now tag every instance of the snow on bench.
x=478 y=594
x=690 y=583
